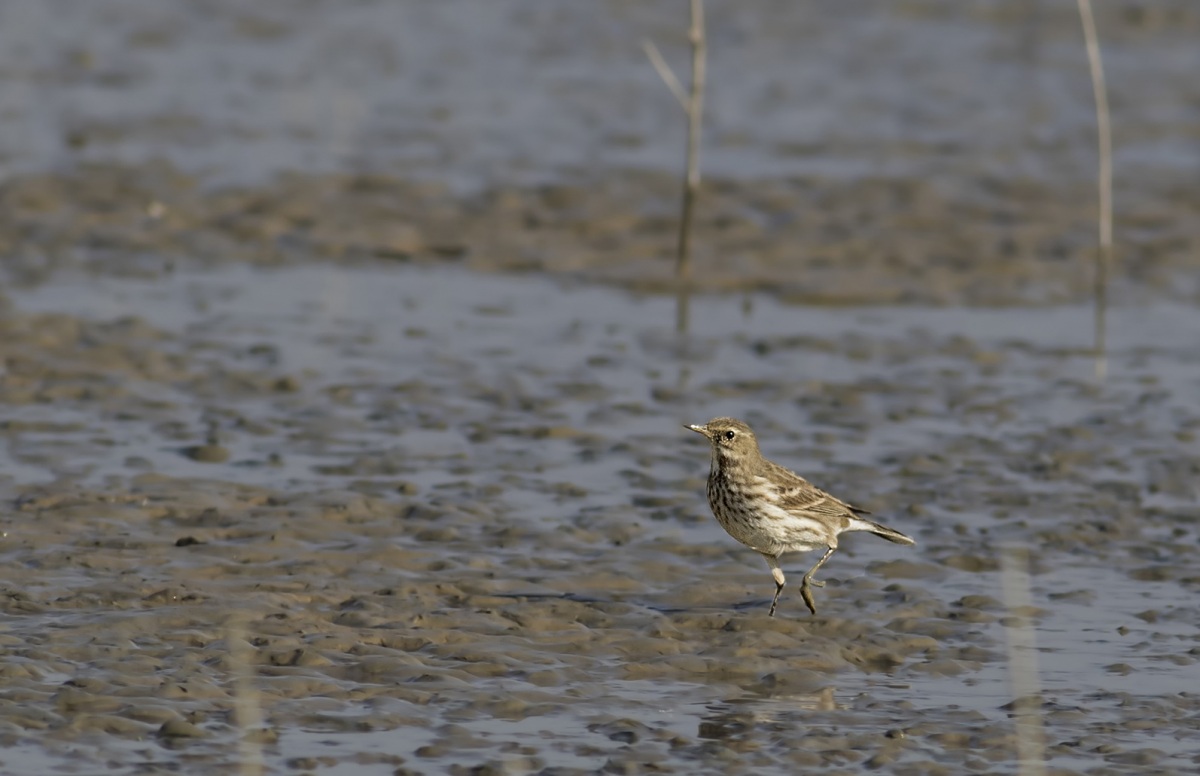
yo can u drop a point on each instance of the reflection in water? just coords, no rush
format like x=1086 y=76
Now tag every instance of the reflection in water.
x=736 y=719
x=1023 y=660
x=683 y=310
x=1101 y=309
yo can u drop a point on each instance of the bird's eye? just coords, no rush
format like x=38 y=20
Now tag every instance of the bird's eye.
x=730 y=435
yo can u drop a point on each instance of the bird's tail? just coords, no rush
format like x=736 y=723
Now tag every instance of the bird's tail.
x=882 y=531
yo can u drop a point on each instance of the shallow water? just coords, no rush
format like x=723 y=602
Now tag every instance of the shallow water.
x=462 y=94
x=464 y=526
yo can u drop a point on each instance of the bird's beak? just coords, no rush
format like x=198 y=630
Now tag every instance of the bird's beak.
x=698 y=429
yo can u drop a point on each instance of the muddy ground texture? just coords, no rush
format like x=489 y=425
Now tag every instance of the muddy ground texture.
x=340 y=415
x=993 y=241
x=315 y=515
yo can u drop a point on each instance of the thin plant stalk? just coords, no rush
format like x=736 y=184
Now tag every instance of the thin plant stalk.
x=692 y=103
x=695 y=110
x=1104 y=138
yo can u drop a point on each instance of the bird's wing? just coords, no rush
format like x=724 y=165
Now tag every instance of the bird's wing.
x=794 y=493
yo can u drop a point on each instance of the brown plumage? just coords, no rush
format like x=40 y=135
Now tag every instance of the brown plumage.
x=773 y=510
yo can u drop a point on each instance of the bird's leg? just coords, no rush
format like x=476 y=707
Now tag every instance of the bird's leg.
x=777 y=574
x=808 y=578
x=807 y=581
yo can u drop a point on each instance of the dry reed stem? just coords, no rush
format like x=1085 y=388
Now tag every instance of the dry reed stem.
x=1104 y=183
x=695 y=110
x=693 y=105
x=665 y=72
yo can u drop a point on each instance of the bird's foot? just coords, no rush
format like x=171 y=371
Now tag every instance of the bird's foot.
x=806 y=594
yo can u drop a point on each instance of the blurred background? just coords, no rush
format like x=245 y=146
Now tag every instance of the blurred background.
x=341 y=382
x=925 y=151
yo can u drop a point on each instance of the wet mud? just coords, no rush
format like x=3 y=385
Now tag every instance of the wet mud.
x=448 y=536
x=340 y=417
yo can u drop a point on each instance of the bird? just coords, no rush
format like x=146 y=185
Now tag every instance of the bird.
x=773 y=510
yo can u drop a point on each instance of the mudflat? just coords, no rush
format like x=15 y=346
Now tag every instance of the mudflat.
x=340 y=419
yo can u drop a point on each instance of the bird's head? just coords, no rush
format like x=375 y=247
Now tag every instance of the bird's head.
x=731 y=438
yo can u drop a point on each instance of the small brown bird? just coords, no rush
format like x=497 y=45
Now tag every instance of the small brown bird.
x=772 y=510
